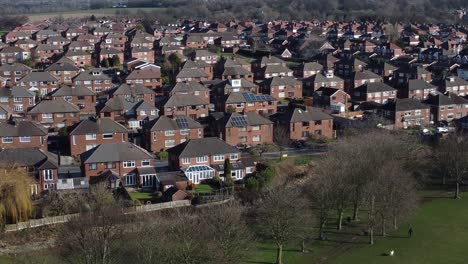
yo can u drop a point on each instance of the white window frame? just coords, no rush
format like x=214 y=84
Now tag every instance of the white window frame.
x=25 y=139
x=234 y=156
x=202 y=159
x=129 y=164
x=90 y=136
x=186 y=160
x=7 y=140
x=218 y=158
x=145 y=163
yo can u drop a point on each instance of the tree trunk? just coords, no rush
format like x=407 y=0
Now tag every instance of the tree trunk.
x=371 y=221
x=384 y=229
x=279 y=254
x=303 y=247
x=355 y=212
x=457 y=190
x=443 y=180
x=340 y=220
x=395 y=227
x=322 y=230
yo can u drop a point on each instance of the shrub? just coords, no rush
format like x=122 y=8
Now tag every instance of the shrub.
x=163 y=155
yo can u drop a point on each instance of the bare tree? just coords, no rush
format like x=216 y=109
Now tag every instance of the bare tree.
x=89 y=238
x=281 y=138
x=230 y=236
x=451 y=156
x=279 y=217
x=319 y=192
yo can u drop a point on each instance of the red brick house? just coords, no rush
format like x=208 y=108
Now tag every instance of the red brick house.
x=123 y=160
x=54 y=113
x=418 y=89
x=192 y=88
x=363 y=77
x=377 y=92
x=40 y=164
x=11 y=54
x=17 y=99
x=46 y=53
x=447 y=107
x=335 y=99
x=42 y=82
x=186 y=105
x=132 y=112
x=136 y=91
x=95 y=80
x=143 y=53
x=249 y=102
x=64 y=72
x=82 y=97
x=203 y=159
x=302 y=124
x=166 y=132
x=90 y=133
x=282 y=87
x=149 y=77
x=12 y=73
x=22 y=134
x=406 y=113
x=454 y=84
x=79 y=57
x=249 y=129
x=109 y=53
x=324 y=79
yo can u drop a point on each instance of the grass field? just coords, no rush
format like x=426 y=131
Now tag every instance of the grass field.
x=84 y=13
x=440 y=236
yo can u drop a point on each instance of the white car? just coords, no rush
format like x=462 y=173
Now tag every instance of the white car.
x=442 y=129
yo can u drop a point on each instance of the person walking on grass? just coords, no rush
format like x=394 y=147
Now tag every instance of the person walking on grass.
x=410 y=232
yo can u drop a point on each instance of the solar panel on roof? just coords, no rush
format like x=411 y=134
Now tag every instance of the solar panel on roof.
x=239 y=121
x=182 y=122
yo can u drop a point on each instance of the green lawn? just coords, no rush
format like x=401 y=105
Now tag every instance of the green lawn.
x=203 y=188
x=142 y=195
x=440 y=236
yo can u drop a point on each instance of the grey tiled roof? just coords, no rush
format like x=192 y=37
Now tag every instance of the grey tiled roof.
x=54 y=106
x=201 y=147
x=164 y=123
x=184 y=100
x=39 y=77
x=77 y=90
x=89 y=76
x=99 y=126
x=135 y=89
x=416 y=84
x=301 y=115
x=62 y=66
x=251 y=118
x=280 y=81
x=114 y=152
x=404 y=105
x=375 y=87
x=144 y=74
x=16 y=91
x=21 y=129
